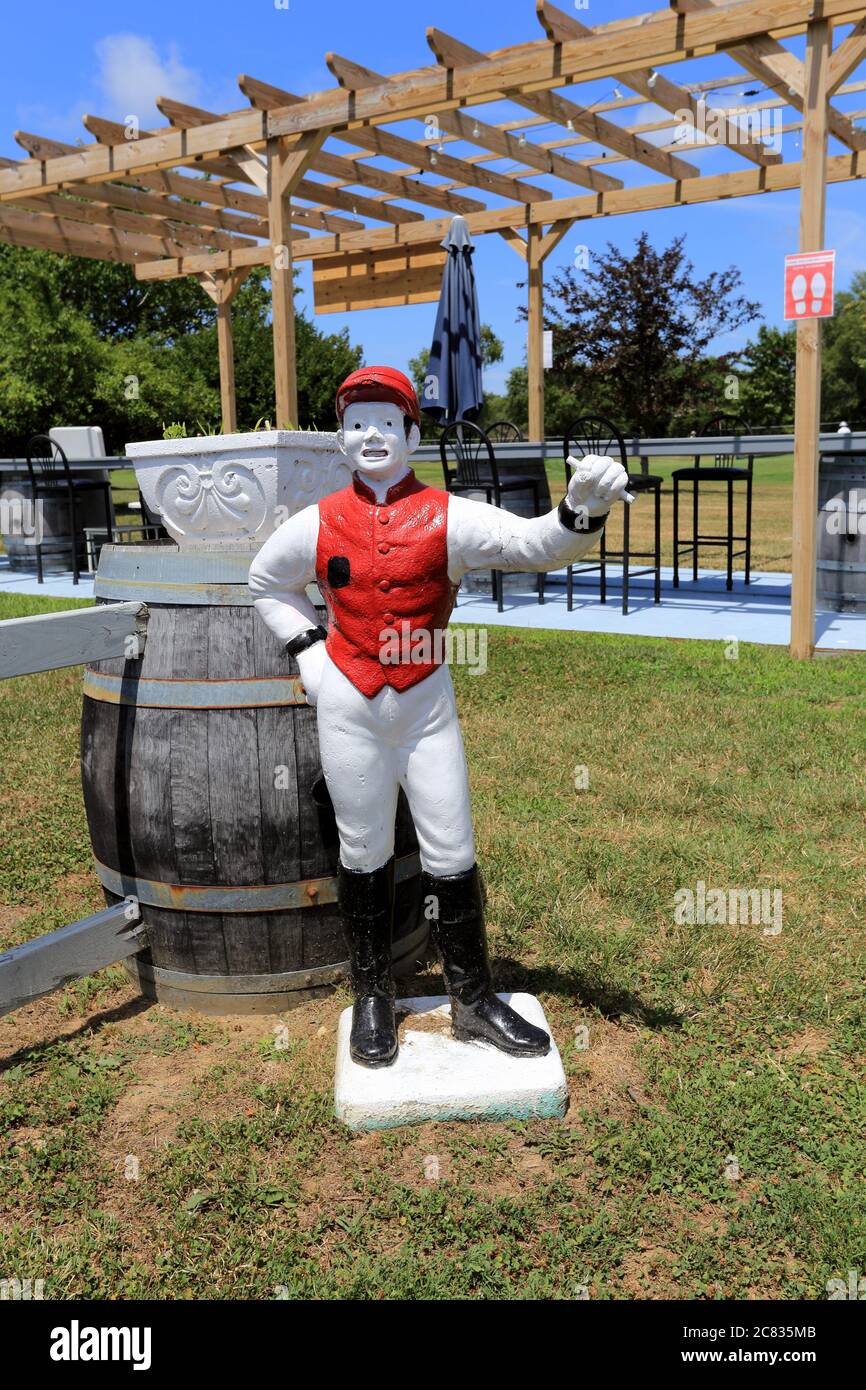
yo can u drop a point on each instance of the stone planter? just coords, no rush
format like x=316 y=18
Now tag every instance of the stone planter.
x=232 y=491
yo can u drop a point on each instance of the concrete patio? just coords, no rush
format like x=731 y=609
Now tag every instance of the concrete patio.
x=758 y=613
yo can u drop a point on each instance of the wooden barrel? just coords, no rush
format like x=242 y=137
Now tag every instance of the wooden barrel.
x=17 y=523
x=204 y=796
x=841 y=563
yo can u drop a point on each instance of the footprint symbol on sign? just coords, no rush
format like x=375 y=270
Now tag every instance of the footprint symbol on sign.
x=818 y=289
x=798 y=293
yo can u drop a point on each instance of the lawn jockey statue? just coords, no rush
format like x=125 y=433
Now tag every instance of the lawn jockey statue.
x=388 y=554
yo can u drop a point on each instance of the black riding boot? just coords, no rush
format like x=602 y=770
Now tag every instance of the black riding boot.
x=477 y=1014
x=367 y=905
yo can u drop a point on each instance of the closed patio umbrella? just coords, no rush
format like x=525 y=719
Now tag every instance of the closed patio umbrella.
x=452 y=389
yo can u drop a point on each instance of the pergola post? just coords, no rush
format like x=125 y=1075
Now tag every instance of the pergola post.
x=287 y=164
x=807 y=398
x=228 y=404
x=535 y=332
x=222 y=287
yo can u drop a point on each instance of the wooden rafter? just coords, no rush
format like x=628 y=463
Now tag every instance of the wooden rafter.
x=847 y=56
x=182 y=115
x=110 y=132
x=742 y=183
x=453 y=55
x=541 y=66
x=375 y=141
x=764 y=57
x=478 y=132
x=655 y=87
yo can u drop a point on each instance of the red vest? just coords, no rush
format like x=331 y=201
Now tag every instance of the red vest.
x=383 y=571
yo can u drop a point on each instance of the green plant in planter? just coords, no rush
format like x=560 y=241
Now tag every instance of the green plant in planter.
x=176 y=430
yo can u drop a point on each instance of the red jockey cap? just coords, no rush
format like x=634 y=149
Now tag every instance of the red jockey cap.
x=379 y=384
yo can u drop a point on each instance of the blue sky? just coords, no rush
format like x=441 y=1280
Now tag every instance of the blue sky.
x=62 y=60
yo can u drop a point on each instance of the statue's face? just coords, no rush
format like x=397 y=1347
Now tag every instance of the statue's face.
x=373 y=438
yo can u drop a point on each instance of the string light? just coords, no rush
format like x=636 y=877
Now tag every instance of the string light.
x=617 y=93
x=569 y=125
x=522 y=140
x=476 y=131
x=653 y=79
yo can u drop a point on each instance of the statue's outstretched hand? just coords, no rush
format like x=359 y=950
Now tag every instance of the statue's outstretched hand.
x=596 y=483
x=311 y=663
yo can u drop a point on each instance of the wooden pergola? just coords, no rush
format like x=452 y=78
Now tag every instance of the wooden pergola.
x=291 y=178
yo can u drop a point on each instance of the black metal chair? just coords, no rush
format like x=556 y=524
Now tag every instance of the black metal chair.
x=473 y=468
x=720 y=470
x=503 y=432
x=52 y=478
x=592 y=434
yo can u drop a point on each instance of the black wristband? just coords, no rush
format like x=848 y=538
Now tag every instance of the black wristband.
x=579 y=521
x=305 y=639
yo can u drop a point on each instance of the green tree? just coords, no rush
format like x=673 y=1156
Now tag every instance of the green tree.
x=767 y=378
x=843 y=358
x=85 y=342
x=630 y=338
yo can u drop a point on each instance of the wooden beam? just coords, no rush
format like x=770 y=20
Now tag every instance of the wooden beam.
x=473 y=130
x=551 y=239
x=209 y=212
x=662 y=38
x=266 y=97
x=766 y=59
x=183 y=115
x=50 y=641
x=222 y=288
x=355 y=78
x=807 y=395
x=742 y=183
x=535 y=333
x=50 y=962
x=655 y=87
x=847 y=56
x=114 y=133
x=65 y=234
x=96 y=215
x=514 y=240
x=455 y=56
x=286 y=167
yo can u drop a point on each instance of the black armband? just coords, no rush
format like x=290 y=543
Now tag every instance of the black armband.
x=579 y=521
x=305 y=639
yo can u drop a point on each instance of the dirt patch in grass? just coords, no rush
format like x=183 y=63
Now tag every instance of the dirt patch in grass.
x=608 y=1075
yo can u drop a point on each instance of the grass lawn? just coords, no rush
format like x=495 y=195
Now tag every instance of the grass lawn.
x=715 y=1144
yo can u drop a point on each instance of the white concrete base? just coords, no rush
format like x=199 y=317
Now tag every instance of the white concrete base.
x=438 y=1078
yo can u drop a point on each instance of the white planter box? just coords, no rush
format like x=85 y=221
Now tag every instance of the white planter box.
x=232 y=491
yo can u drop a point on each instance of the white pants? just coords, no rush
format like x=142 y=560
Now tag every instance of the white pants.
x=372 y=747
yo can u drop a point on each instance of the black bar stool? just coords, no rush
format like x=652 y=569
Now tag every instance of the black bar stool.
x=51 y=477
x=475 y=470
x=720 y=470
x=592 y=434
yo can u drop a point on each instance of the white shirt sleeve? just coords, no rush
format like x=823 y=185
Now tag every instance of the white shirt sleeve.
x=280 y=573
x=483 y=537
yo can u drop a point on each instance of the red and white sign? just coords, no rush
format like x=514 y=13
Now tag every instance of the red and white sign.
x=809 y=285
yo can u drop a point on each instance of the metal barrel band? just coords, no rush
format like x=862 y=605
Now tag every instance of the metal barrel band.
x=314 y=977
x=147 y=693
x=269 y=897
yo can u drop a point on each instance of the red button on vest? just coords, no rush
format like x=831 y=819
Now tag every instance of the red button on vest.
x=358 y=611
x=384 y=549
x=384 y=518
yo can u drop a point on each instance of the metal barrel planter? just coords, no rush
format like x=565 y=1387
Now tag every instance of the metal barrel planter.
x=841 y=547
x=204 y=797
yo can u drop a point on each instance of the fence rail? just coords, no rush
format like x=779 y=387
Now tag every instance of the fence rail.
x=39 y=967
x=72 y=637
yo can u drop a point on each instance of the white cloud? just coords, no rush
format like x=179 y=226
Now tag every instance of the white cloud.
x=132 y=73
